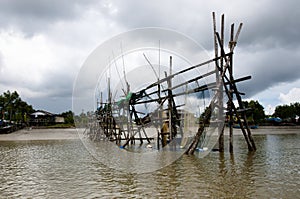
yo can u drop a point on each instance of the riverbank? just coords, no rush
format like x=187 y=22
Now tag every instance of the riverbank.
x=71 y=133
x=40 y=134
x=269 y=130
x=280 y=127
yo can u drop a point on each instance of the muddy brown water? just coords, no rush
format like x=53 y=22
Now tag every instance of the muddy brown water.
x=62 y=168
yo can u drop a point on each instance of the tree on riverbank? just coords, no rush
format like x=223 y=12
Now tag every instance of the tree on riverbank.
x=68 y=117
x=256 y=113
x=288 y=113
x=13 y=108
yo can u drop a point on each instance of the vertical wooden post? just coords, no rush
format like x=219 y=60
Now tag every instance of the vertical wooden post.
x=217 y=69
x=230 y=70
x=220 y=95
x=159 y=114
x=101 y=99
x=170 y=108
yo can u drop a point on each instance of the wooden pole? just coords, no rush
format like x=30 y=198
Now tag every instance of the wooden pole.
x=230 y=70
x=217 y=68
x=159 y=115
x=220 y=96
x=170 y=108
x=246 y=135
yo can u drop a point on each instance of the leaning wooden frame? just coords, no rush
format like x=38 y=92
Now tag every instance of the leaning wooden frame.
x=120 y=121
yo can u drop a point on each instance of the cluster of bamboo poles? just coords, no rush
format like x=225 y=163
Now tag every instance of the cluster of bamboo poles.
x=225 y=83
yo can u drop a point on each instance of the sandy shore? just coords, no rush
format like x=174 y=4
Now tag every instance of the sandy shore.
x=40 y=134
x=268 y=130
x=65 y=134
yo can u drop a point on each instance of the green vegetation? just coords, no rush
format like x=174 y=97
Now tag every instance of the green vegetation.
x=60 y=126
x=288 y=113
x=256 y=113
x=13 y=108
x=83 y=119
x=69 y=118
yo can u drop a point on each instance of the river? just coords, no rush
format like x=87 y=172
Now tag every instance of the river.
x=63 y=168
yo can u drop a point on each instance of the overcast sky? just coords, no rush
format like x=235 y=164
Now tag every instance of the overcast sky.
x=44 y=43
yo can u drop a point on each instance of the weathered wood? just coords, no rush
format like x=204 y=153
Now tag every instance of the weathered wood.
x=220 y=96
x=224 y=82
x=192 y=80
x=207 y=114
x=230 y=69
x=185 y=70
x=197 y=89
x=248 y=136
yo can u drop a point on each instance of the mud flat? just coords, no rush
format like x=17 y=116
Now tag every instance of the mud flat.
x=269 y=130
x=40 y=134
x=71 y=133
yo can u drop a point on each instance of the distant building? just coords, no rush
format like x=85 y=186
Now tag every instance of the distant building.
x=44 y=118
x=59 y=119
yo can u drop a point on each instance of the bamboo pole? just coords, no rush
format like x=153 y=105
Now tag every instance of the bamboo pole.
x=248 y=137
x=170 y=107
x=230 y=70
x=220 y=96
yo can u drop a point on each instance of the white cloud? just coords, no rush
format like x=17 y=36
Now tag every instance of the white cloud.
x=269 y=110
x=24 y=60
x=291 y=96
x=44 y=65
x=43 y=45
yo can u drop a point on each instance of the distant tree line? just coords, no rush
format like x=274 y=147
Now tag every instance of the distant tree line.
x=83 y=118
x=289 y=113
x=68 y=117
x=255 y=113
x=13 y=108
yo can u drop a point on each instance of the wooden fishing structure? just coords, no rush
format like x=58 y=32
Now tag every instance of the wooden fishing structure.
x=121 y=122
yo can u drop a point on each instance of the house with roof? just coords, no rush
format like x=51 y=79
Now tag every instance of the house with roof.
x=44 y=118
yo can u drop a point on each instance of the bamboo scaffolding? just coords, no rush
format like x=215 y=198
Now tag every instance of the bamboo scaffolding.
x=126 y=126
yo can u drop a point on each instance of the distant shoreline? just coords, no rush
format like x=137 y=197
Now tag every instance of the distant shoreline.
x=280 y=127
x=41 y=134
x=71 y=133
x=267 y=130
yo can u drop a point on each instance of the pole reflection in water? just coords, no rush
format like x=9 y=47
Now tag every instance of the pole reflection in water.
x=63 y=168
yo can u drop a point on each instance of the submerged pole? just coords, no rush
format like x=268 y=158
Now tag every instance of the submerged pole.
x=230 y=70
x=220 y=96
x=170 y=107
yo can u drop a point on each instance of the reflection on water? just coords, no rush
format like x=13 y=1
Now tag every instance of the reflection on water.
x=52 y=169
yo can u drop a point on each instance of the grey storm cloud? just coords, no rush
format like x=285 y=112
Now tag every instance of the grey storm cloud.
x=269 y=22
x=268 y=46
x=274 y=26
x=31 y=16
x=268 y=68
x=1 y=61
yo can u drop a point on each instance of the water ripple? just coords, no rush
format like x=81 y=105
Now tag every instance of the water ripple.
x=64 y=169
